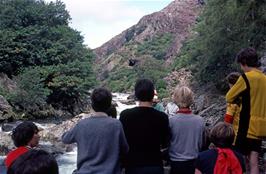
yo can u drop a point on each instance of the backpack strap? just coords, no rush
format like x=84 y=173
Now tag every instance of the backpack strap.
x=246 y=81
x=242 y=132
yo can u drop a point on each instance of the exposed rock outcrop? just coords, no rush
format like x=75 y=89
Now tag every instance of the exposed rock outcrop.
x=177 y=18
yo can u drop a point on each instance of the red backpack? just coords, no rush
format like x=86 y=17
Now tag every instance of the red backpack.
x=227 y=162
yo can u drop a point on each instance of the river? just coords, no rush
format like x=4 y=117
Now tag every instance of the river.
x=67 y=161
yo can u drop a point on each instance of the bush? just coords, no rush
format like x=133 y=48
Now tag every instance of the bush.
x=156 y=47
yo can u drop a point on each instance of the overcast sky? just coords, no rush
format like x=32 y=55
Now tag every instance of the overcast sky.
x=100 y=20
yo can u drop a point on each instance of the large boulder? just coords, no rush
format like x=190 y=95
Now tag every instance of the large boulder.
x=6 y=143
x=54 y=132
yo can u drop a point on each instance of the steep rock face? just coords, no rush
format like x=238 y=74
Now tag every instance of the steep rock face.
x=177 y=19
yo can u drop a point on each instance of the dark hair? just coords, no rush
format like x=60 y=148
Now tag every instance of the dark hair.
x=112 y=111
x=23 y=133
x=101 y=99
x=222 y=135
x=144 y=90
x=233 y=77
x=248 y=56
x=34 y=162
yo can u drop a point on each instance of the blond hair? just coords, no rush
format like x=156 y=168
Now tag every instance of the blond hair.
x=183 y=97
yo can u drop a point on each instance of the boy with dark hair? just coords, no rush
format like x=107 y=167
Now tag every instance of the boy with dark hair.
x=25 y=136
x=144 y=90
x=101 y=100
x=100 y=139
x=221 y=159
x=251 y=86
x=233 y=109
x=146 y=130
x=34 y=162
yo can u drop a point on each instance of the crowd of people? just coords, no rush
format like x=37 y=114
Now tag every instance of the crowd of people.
x=146 y=138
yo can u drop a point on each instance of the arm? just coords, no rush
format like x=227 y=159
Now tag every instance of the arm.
x=231 y=110
x=123 y=142
x=166 y=133
x=234 y=92
x=69 y=136
x=201 y=142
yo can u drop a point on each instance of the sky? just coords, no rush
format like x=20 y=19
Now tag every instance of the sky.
x=100 y=20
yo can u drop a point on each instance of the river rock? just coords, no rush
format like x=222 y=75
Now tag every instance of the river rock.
x=6 y=143
x=7 y=127
x=54 y=133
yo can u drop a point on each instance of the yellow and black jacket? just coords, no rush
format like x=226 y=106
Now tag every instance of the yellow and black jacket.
x=251 y=86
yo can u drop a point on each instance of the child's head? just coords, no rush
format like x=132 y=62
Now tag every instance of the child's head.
x=232 y=78
x=26 y=134
x=222 y=135
x=34 y=162
x=183 y=97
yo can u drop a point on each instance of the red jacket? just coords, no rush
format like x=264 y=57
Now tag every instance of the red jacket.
x=13 y=155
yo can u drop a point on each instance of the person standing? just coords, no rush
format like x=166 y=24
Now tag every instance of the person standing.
x=100 y=139
x=34 y=162
x=251 y=86
x=221 y=159
x=156 y=104
x=171 y=109
x=146 y=130
x=186 y=133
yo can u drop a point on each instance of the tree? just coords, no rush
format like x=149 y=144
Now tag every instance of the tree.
x=35 y=38
x=224 y=27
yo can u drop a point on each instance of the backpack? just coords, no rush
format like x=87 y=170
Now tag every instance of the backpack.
x=227 y=162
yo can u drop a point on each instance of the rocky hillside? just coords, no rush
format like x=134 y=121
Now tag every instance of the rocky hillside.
x=176 y=18
x=157 y=36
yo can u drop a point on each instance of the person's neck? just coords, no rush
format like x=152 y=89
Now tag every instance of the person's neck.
x=145 y=104
x=186 y=110
x=248 y=69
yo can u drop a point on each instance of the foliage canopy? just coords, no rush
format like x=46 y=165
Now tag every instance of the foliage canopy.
x=225 y=27
x=45 y=56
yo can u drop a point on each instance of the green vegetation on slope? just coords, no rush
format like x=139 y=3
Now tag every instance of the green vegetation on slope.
x=156 y=47
x=224 y=28
x=44 y=55
x=150 y=55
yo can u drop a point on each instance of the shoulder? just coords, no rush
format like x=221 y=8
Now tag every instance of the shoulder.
x=83 y=121
x=18 y=150
x=208 y=153
x=129 y=111
x=197 y=119
x=161 y=115
x=11 y=156
x=114 y=121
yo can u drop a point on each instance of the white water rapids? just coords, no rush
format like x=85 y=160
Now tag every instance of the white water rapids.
x=67 y=161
